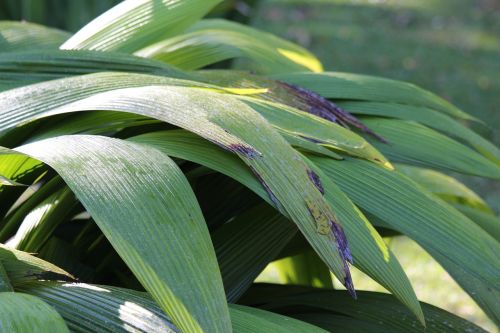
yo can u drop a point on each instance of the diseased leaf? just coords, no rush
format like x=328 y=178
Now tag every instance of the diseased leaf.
x=211 y=115
x=370 y=253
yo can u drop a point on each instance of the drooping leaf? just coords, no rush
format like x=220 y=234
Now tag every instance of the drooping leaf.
x=370 y=253
x=21 y=267
x=369 y=88
x=427 y=117
x=211 y=115
x=437 y=227
x=110 y=309
x=23 y=68
x=417 y=144
x=135 y=193
x=444 y=186
x=372 y=310
x=213 y=40
x=146 y=22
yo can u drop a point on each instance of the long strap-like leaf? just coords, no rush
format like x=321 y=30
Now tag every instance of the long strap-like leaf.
x=145 y=207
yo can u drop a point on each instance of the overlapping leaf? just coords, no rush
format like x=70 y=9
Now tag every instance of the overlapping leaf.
x=177 y=263
x=211 y=41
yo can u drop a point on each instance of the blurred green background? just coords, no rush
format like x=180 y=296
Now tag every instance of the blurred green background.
x=451 y=47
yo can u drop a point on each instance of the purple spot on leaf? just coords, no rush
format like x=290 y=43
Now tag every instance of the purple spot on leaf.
x=270 y=193
x=322 y=107
x=313 y=176
x=342 y=243
x=247 y=151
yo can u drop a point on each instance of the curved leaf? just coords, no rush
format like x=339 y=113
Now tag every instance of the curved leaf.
x=427 y=117
x=146 y=22
x=371 y=309
x=135 y=193
x=417 y=144
x=23 y=313
x=211 y=41
x=437 y=227
x=21 y=36
x=370 y=253
x=110 y=309
x=370 y=88
x=212 y=116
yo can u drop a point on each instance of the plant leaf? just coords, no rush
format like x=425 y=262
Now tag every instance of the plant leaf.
x=433 y=150
x=427 y=117
x=23 y=313
x=338 y=85
x=212 y=116
x=20 y=36
x=135 y=193
x=213 y=40
x=370 y=253
x=146 y=22
x=374 y=309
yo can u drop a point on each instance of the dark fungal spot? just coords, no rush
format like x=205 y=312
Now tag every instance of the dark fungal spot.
x=348 y=282
x=346 y=255
x=247 y=151
x=270 y=193
x=322 y=107
x=313 y=176
x=313 y=140
x=341 y=239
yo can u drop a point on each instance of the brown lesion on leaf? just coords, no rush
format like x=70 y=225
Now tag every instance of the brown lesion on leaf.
x=322 y=107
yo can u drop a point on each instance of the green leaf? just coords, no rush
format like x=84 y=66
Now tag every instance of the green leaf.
x=146 y=22
x=4 y=280
x=432 y=149
x=110 y=309
x=21 y=36
x=21 y=267
x=11 y=223
x=247 y=244
x=42 y=220
x=370 y=253
x=212 y=116
x=250 y=320
x=427 y=117
x=211 y=41
x=91 y=308
x=490 y=223
x=371 y=309
x=445 y=187
x=408 y=208
x=22 y=68
x=23 y=313
x=135 y=193
x=325 y=133
x=370 y=88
